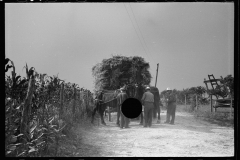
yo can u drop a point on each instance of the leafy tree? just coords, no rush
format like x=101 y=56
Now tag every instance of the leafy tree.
x=190 y=94
x=200 y=90
x=228 y=81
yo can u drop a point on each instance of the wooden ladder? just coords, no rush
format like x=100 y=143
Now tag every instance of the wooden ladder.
x=213 y=82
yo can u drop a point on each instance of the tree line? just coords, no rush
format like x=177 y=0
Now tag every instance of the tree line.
x=224 y=89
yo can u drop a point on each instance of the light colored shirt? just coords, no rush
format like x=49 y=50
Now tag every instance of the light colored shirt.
x=148 y=97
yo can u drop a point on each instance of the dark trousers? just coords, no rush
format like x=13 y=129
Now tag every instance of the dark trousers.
x=118 y=114
x=157 y=110
x=148 y=113
x=171 y=112
x=124 y=121
x=141 y=121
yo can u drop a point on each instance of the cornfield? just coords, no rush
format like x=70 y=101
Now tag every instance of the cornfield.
x=39 y=111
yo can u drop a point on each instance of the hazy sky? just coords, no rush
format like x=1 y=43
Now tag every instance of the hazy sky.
x=188 y=40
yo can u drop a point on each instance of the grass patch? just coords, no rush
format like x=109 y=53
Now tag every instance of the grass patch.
x=183 y=108
x=220 y=117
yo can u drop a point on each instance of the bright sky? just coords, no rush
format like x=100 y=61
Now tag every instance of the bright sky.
x=188 y=40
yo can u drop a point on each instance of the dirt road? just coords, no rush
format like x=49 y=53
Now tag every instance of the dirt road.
x=189 y=137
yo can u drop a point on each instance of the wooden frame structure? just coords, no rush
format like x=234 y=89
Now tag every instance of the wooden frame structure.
x=224 y=102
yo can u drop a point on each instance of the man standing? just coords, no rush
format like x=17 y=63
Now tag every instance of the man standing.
x=148 y=103
x=171 y=106
x=121 y=97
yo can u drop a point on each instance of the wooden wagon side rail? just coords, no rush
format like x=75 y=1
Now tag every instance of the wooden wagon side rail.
x=223 y=103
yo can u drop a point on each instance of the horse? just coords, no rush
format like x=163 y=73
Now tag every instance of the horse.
x=108 y=98
x=157 y=103
x=104 y=99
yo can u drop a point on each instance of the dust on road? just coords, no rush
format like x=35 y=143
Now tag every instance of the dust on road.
x=189 y=137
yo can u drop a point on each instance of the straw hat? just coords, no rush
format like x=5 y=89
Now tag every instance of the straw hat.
x=168 y=89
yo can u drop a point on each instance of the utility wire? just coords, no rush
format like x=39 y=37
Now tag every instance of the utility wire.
x=136 y=31
x=139 y=29
x=172 y=70
x=141 y=33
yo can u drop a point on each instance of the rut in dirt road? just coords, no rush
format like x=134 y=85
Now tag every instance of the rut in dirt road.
x=189 y=137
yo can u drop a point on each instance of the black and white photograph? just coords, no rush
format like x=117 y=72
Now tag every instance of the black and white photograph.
x=134 y=79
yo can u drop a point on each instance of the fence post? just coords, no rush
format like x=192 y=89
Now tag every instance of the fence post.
x=81 y=98
x=74 y=102
x=86 y=101
x=61 y=100
x=26 y=107
x=109 y=114
x=215 y=109
x=176 y=99
x=185 y=100
x=196 y=103
x=211 y=103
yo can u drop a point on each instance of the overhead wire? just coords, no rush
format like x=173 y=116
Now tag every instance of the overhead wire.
x=135 y=30
x=139 y=29
x=171 y=71
x=141 y=34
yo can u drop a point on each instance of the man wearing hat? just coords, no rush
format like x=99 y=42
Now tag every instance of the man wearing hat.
x=171 y=106
x=121 y=97
x=148 y=103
